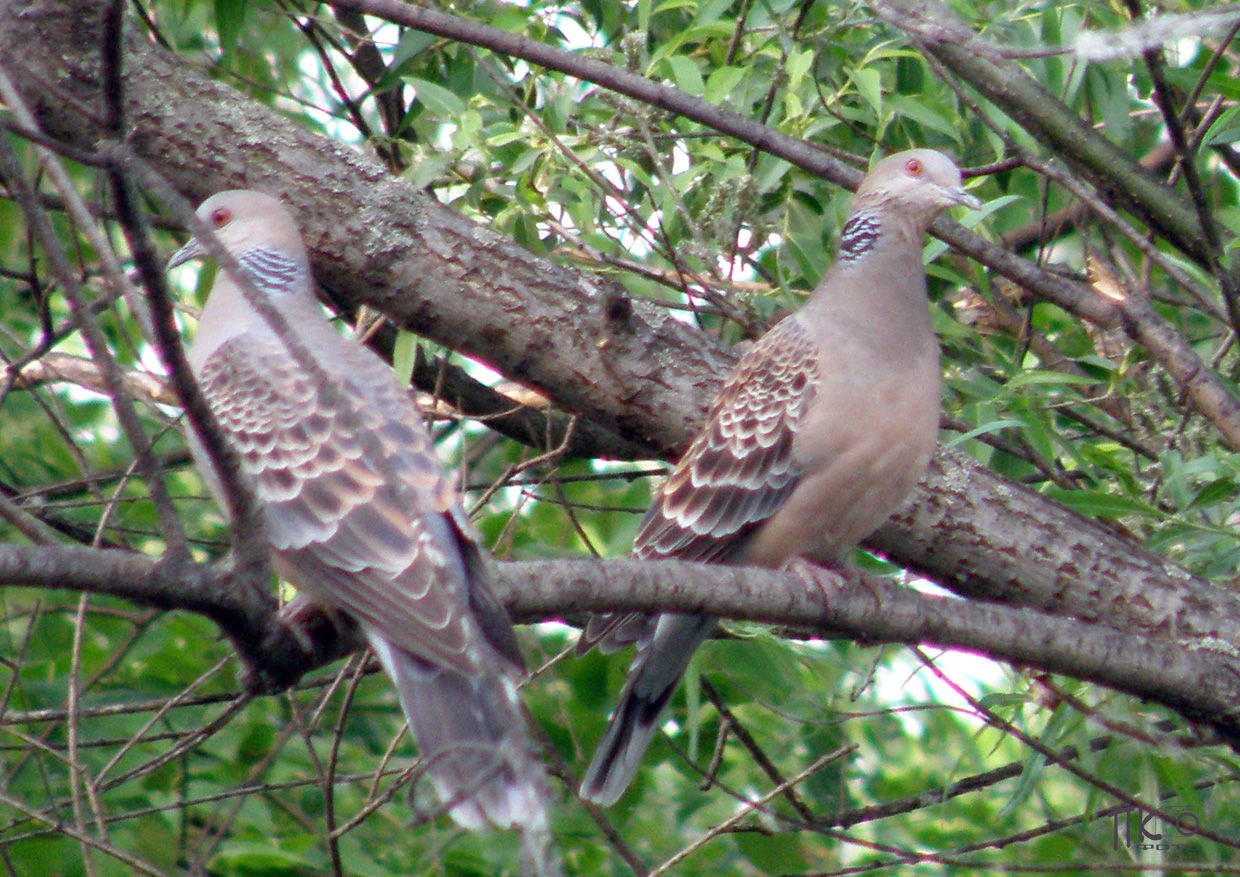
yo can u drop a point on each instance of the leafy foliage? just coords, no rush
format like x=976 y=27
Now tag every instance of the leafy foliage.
x=126 y=744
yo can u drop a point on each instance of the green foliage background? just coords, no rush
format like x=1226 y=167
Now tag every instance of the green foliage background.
x=121 y=713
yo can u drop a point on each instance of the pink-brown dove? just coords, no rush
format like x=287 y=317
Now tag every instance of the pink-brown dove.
x=360 y=514
x=822 y=430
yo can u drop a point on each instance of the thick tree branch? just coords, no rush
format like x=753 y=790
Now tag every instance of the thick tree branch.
x=1201 y=683
x=1048 y=558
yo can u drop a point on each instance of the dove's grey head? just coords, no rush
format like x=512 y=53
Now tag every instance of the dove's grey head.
x=259 y=232
x=921 y=183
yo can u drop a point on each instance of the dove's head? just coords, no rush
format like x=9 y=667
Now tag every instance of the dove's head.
x=918 y=183
x=258 y=231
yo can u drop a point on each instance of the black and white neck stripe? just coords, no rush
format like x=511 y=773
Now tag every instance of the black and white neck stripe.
x=272 y=271
x=859 y=236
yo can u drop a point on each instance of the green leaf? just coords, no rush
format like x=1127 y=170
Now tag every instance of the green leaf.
x=411 y=45
x=869 y=84
x=1099 y=504
x=798 y=67
x=984 y=429
x=1041 y=378
x=1217 y=491
x=1224 y=129
x=710 y=11
x=437 y=99
x=229 y=21
x=722 y=82
x=425 y=172
x=925 y=115
x=692 y=684
x=498 y=140
x=685 y=74
x=1000 y=700
x=259 y=857
x=404 y=354
x=1030 y=775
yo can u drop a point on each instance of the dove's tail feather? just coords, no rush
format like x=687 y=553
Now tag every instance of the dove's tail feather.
x=657 y=669
x=473 y=737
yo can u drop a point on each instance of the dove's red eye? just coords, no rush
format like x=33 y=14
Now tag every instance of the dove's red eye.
x=913 y=167
x=220 y=217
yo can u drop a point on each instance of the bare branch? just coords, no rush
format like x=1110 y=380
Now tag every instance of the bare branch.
x=1197 y=678
x=1201 y=683
x=63 y=367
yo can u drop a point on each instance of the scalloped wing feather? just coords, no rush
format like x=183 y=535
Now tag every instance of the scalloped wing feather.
x=736 y=474
x=341 y=532
x=741 y=468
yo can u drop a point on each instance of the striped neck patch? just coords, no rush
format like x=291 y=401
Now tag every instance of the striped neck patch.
x=859 y=236
x=271 y=270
